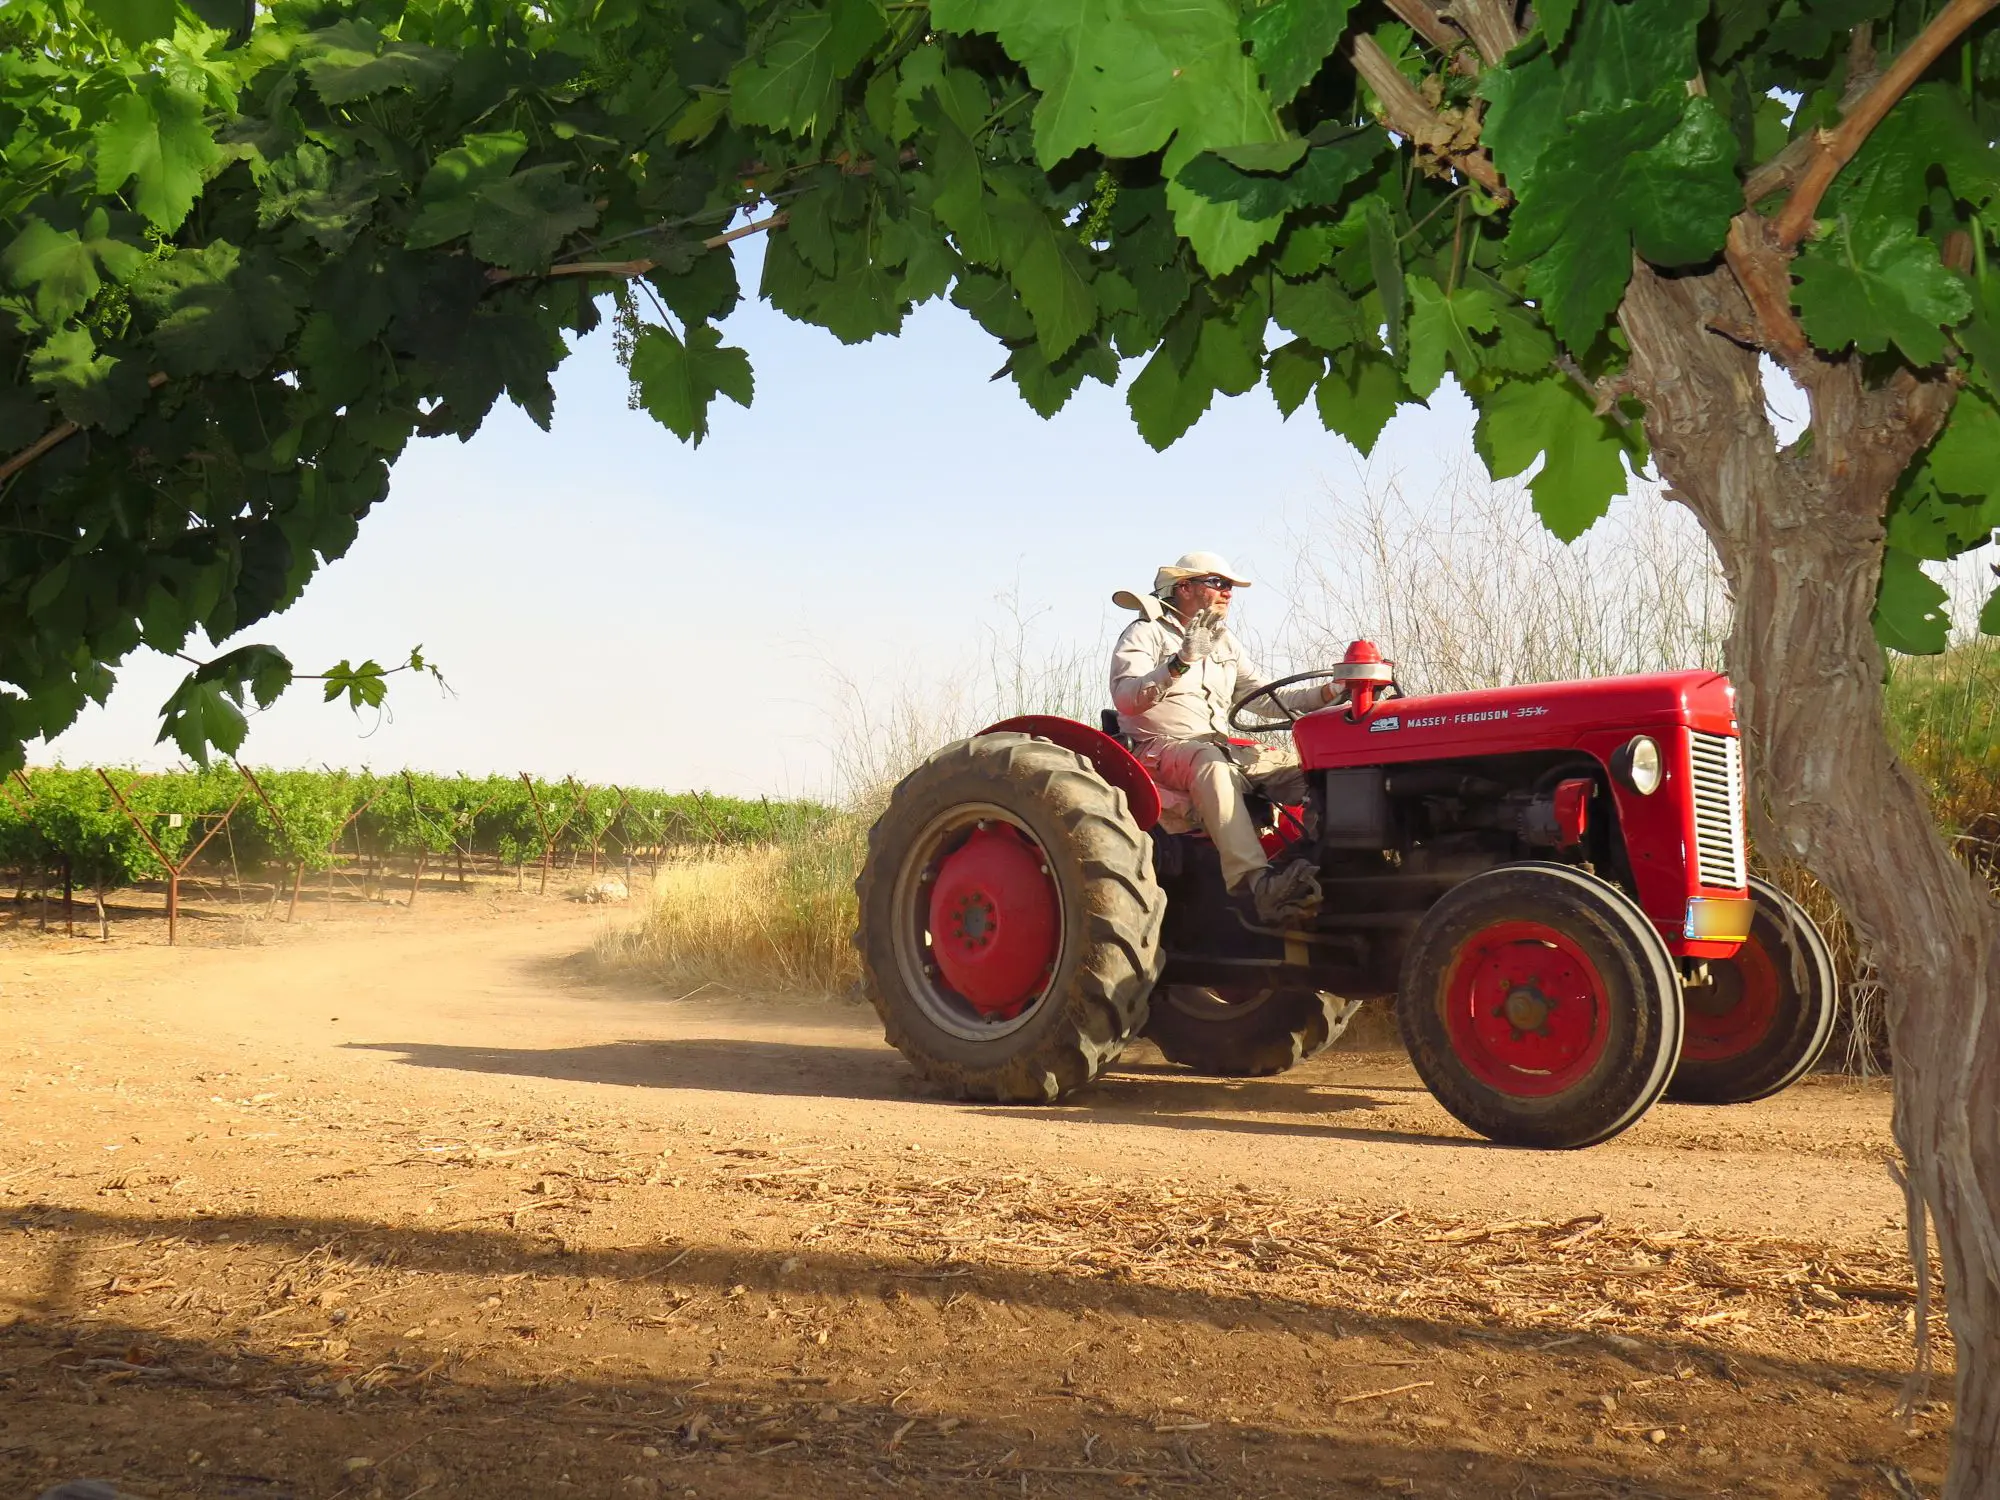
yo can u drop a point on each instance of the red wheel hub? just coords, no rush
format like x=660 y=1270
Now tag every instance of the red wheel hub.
x=1732 y=1014
x=1526 y=1009
x=994 y=921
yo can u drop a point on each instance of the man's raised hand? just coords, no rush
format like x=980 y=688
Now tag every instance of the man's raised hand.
x=1204 y=631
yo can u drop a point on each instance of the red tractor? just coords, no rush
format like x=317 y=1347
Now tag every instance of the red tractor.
x=1549 y=879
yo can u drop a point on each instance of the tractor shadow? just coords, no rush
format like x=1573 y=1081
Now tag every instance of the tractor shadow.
x=1135 y=1094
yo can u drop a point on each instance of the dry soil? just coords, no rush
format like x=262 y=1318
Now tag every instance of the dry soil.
x=391 y=1203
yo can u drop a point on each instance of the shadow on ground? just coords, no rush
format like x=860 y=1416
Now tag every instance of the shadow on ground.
x=1149 y=1095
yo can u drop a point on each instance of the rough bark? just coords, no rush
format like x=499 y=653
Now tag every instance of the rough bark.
x=1799 y=534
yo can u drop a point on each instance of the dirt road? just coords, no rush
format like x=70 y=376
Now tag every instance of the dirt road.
x=416 y=1204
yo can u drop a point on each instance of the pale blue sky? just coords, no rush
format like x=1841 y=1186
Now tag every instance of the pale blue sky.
x=608 y=602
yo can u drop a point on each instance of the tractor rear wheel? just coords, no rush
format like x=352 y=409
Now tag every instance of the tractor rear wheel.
x=1540 y=1006
x=1243 y=1031
x=1010 y=920
x=1766 y=1015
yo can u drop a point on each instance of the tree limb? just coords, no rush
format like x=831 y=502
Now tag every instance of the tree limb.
x=1764 y=271
x=1833 y=149
x=1782 y=170
x=1422 y=17
x=630 y=268
x=1405 y=112
x=1490 y=24
x=62 y=432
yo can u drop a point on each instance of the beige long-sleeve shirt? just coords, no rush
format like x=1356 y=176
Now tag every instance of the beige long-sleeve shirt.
x=1155 y=705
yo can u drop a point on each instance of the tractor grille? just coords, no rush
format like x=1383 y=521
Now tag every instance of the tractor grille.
x=1718 y=809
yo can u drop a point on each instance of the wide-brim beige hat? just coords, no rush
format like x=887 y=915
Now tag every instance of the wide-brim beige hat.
x=1197 y=565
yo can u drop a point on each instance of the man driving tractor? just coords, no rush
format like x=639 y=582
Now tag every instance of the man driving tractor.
x=1175 y=672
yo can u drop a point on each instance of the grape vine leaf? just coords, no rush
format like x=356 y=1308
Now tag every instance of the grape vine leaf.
x=1130 y=80
x=1319 y=309
x=1910 y=607
x=1358 y=395
x=446 y=199
x=1049 y=269
x=1290 y=39
x=351 y=60
x=1292 y=370
x=61 y=266
x=1618 y=54
x=520 y=221
x=206 y=709
x=1876 y=282
x=135 y=22
x=199 y=716
x=1658 y=176
x=91 y=389
x=1315 y=176
x=1989 y=614
x=792 y=86
x=156 y=138
x=218 y=311
x=1555 y=17
x=1443 y=329
x=1046 y=386
x=1550 y=418
x=1200 y=356
x=677 y=381
x=1965 y=460
x=365 y=686
x=1929 y=130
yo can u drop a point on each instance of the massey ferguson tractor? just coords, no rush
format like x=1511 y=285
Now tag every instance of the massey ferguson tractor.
x=1550 y=880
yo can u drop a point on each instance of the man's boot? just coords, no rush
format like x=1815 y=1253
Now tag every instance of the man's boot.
x=1288 y=895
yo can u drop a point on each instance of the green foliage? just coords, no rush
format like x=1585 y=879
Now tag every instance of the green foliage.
x=1875 y=283
x=299 y=820
x=250 y=268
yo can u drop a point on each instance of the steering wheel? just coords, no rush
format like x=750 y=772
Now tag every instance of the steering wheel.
x=1286 y=718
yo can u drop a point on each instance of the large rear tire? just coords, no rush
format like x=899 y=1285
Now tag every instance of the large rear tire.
x=1540 y=1006
x=1009 y=920
x=1765 y=1017
x=1245 y=1032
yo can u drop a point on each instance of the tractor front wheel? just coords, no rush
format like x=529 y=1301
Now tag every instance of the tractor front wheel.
x=1766 y=1015
x=1540 y=1006
x=1010 y=920
x=1244 y=1031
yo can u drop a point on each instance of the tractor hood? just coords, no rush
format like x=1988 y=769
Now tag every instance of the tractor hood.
x=1504 y=721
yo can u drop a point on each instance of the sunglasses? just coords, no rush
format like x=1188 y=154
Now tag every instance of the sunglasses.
x=1216 y=582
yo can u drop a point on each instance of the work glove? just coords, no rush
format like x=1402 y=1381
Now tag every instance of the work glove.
x=1204 y=634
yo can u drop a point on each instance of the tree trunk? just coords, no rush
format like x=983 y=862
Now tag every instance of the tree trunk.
x=1799 y=534
x=69 y=900
x=103 y=922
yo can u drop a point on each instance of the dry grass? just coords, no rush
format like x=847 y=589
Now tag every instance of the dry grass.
x=1467 y=589
x=775 y=916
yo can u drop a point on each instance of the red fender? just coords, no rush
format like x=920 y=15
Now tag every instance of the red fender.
x=1107 y=757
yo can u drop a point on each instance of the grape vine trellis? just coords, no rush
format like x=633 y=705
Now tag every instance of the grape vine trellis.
x=241 y=271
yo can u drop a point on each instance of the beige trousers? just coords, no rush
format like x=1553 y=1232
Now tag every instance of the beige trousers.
x=1217 y=776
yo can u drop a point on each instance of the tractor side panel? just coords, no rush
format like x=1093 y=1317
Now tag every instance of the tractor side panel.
x=1514 y=720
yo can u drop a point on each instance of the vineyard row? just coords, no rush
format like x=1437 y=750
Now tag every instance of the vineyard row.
x=97 y=830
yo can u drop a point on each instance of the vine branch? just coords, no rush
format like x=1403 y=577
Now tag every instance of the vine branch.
x=630 y=268
x=60 y=433
x=1833 y=149
x=1406 y=112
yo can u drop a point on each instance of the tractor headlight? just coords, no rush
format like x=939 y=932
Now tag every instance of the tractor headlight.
x=1637 y=763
